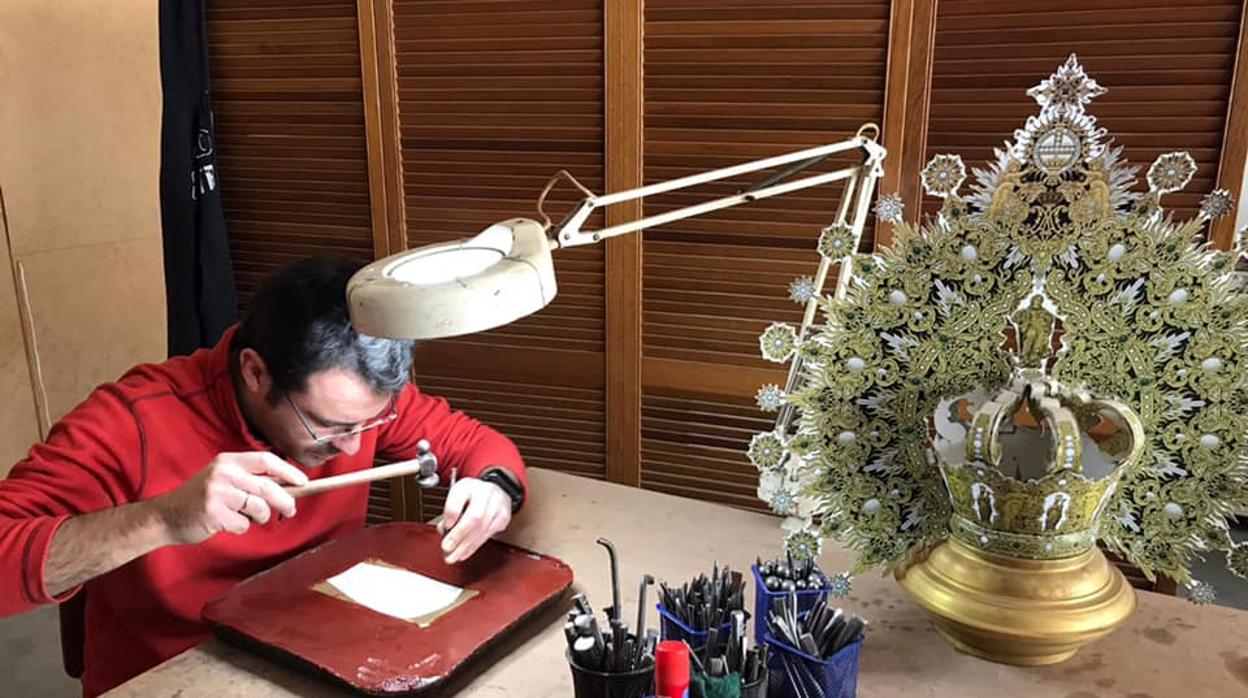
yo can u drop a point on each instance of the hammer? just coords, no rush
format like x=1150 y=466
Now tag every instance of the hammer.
x=425 y=465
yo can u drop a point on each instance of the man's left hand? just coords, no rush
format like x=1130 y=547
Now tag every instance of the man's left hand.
x=475 y=511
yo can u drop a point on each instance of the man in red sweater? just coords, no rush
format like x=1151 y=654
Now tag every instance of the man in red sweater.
x=164 y=489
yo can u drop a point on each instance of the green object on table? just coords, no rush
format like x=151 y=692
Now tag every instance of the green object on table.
x=703 y=686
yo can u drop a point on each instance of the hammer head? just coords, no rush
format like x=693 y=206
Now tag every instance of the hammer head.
x=428 y=476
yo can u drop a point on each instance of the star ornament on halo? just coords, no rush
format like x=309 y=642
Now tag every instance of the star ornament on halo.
x=1069 y=88
x=778 y=342
x=802 y=289
x=1216 y=203
x=1171 y=172
x=769 y=398
x=943 y=175
x=783 y=502
x=766 y=450
x=889 y=207
x=836 y=241
x=1201 y=593
x=1237 y=560
x=839 y=585
x=803 y=544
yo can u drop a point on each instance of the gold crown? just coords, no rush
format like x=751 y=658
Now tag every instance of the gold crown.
x=1032 y=474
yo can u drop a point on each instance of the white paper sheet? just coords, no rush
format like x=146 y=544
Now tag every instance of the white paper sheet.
x=399 y=593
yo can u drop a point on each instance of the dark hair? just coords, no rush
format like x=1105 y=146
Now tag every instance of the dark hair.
x=298 y=323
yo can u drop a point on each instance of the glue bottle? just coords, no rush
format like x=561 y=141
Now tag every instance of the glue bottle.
x=671 y=670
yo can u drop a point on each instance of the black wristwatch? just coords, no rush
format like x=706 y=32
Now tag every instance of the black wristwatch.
x=504 y=480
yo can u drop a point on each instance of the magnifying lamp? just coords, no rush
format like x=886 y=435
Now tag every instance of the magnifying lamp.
x=506 y=272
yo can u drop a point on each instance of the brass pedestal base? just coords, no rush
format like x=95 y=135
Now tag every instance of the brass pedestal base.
x=1016 y=611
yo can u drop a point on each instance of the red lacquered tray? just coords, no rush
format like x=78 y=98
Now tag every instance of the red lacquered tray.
x=278 y=611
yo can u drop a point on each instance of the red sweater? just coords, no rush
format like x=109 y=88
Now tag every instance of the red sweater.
x=147 y=434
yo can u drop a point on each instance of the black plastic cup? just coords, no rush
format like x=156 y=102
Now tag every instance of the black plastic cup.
x=591 y=683
x=757 y=689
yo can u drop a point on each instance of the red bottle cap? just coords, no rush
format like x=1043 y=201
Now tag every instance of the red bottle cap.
x=671 y=669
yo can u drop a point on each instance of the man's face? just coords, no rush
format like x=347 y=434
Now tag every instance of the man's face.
x=312 y=426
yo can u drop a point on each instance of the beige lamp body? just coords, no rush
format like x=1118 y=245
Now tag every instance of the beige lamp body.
x=456 y=288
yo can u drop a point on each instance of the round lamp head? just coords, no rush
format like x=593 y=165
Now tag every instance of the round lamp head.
x=455 y=288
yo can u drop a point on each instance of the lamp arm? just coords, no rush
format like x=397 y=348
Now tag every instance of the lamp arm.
x=858 y=191
x=855 y=202
x=569 y=233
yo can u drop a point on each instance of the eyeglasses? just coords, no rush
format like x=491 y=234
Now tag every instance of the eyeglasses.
x=392 y=413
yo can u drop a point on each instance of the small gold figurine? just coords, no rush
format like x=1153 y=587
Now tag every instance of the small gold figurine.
x=1035 y=332
x=1011 y=182
x=1098 y=189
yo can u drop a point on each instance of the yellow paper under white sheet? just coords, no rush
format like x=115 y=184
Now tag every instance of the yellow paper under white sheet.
x=399 y=593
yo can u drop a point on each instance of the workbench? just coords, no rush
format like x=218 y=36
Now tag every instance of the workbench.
x=1170 y=647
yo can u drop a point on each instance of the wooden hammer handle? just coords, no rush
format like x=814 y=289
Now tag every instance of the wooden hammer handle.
x=333 y=482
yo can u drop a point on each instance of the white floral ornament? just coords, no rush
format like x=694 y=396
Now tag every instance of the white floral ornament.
x=1171 y=172
x=769 y=398
x=943 y=175
x=802 y=289
x=766 y=450
x=1201 y=593
x=840 y=584
x=1068 y=88
x=836 y=241
x=889 y=208
x=778 y=342
x=1216 y=204
x=795 y=523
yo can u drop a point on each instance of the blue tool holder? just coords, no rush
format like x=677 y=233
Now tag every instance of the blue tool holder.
x=764 y=598
x=672 y=628
x=795 y=674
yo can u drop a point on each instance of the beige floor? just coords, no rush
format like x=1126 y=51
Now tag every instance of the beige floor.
x=30 y=650
x=30 y=657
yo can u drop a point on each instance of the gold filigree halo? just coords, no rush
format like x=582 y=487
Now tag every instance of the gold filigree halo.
x=1145 y=314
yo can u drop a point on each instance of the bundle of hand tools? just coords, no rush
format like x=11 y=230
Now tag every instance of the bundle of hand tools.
x=613 y=649
x=706 y=603
x=721 y=657
x=616 y=650
x=820 y=633
x=787 y=574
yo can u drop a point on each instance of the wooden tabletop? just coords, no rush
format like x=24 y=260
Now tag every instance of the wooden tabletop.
x=1168 y=648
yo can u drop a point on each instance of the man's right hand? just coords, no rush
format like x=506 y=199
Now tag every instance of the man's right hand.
x=231 y=492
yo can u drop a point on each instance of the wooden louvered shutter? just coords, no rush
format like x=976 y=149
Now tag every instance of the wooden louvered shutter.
x=290 y=132
x=1168 y=67
x=494 y=98
x=292 y=160
x=728 y=81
